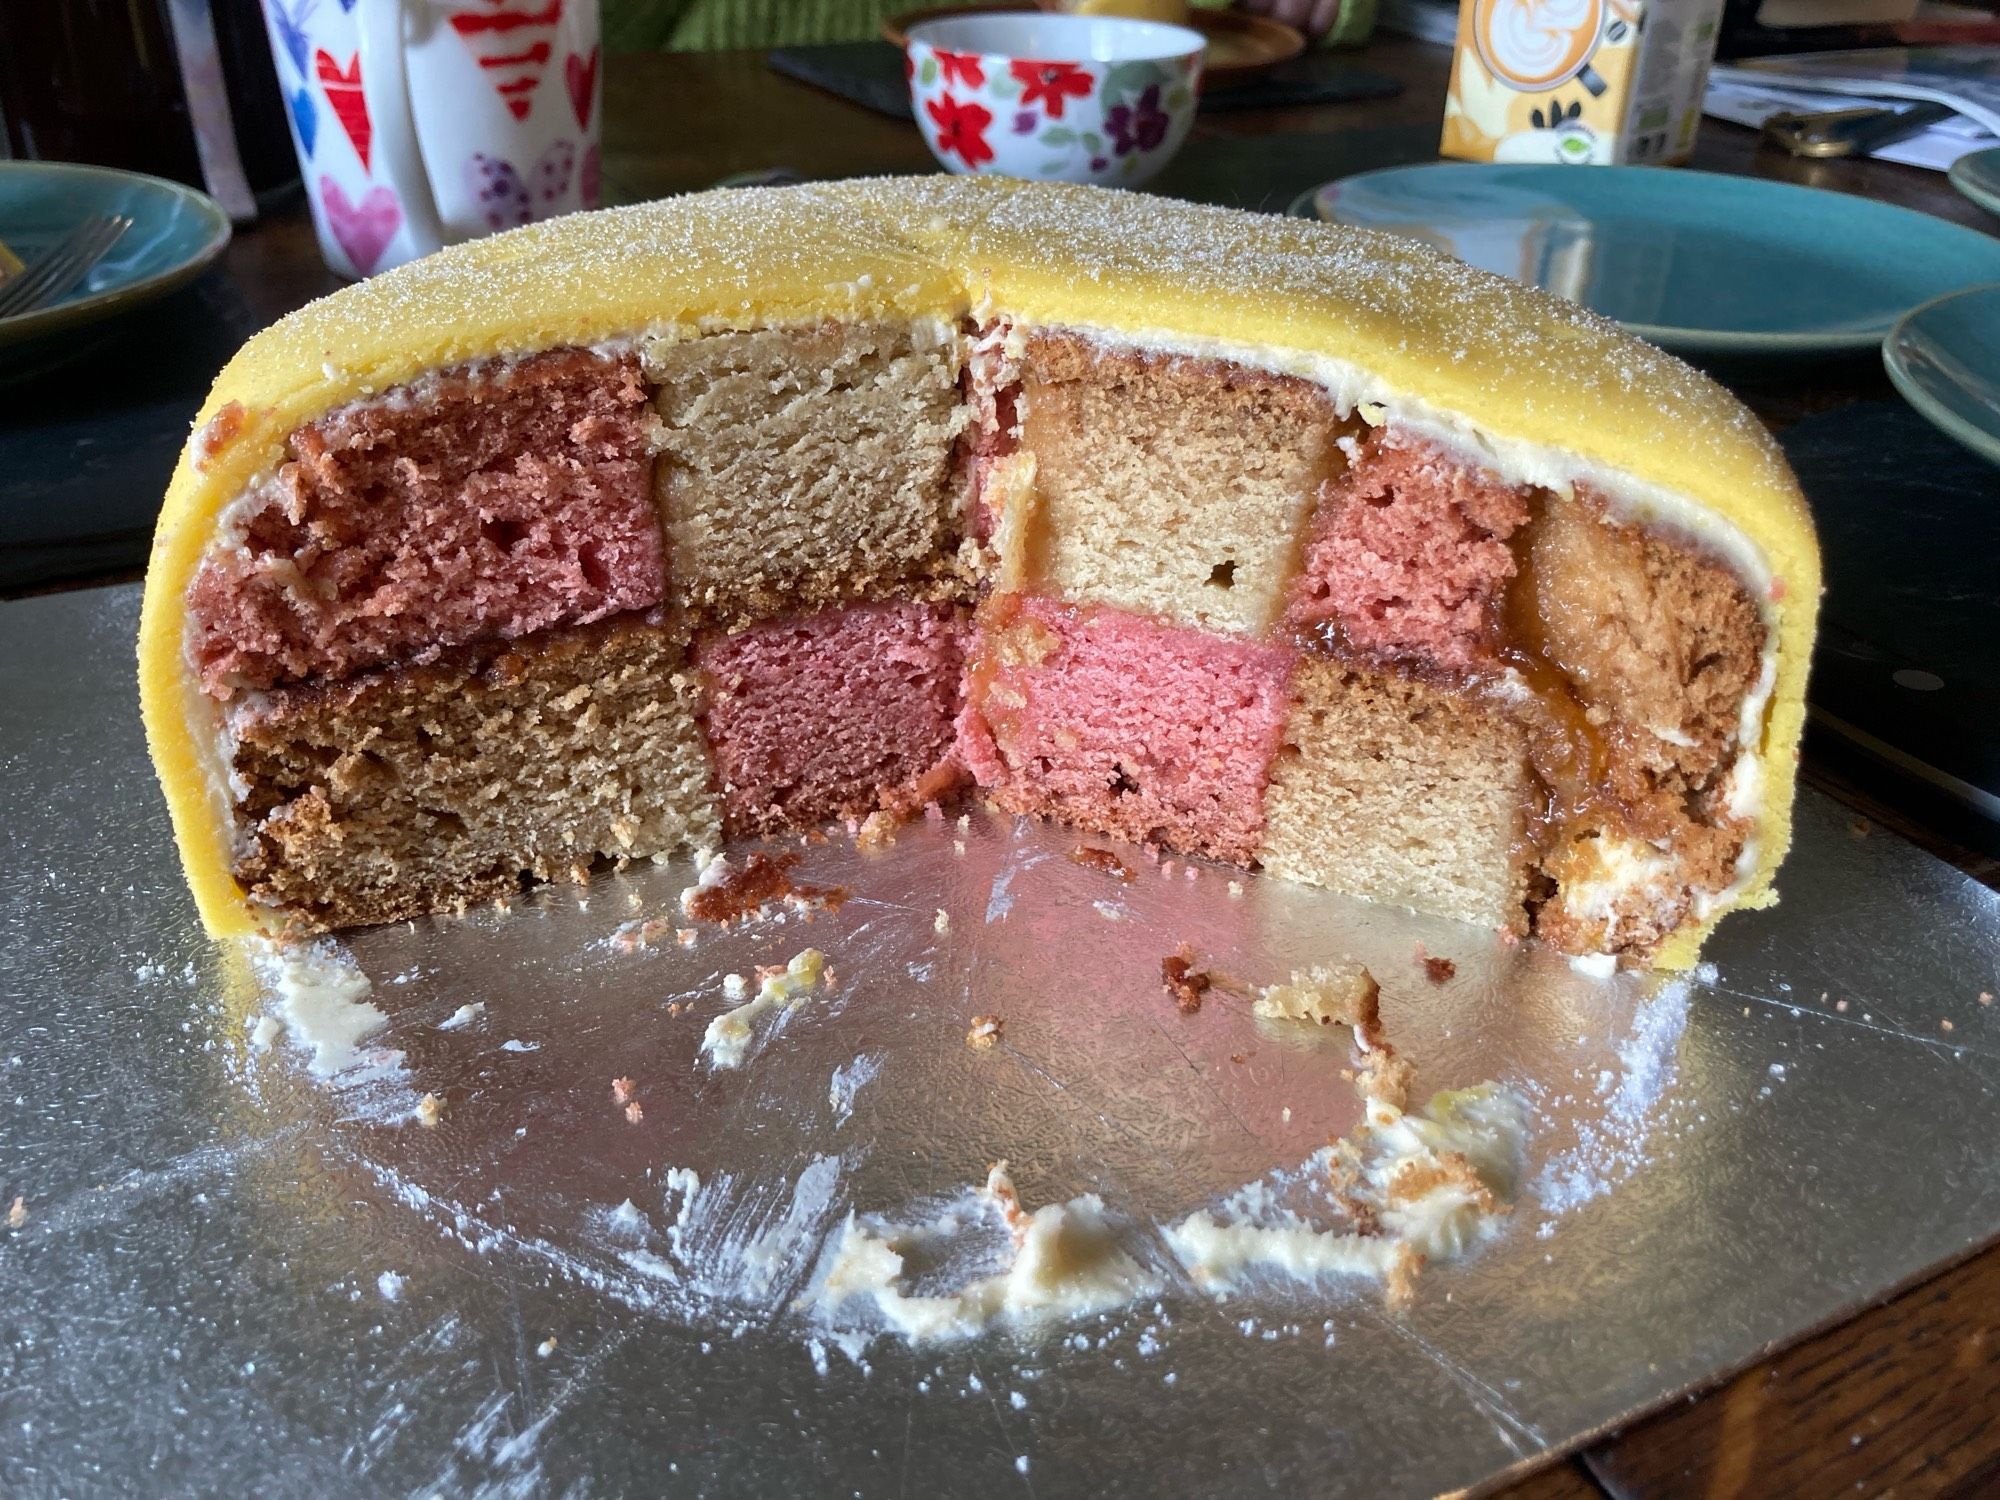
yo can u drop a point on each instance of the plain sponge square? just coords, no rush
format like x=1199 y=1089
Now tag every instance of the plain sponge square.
x=1172 y=486
x=424 y=788
x=802 y=467
x=1400 y=792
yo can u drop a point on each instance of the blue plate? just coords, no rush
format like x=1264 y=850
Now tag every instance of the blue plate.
x=175 y=233
x=1698 y=262
x=1945 y=358
x=1977 y=175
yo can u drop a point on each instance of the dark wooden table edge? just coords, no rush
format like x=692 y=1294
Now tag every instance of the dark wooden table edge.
x=1577 y=1449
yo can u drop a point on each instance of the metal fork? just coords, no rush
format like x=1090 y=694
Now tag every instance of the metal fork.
x=60 y=268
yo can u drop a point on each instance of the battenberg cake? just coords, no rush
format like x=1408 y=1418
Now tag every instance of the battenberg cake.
x=1296 y=547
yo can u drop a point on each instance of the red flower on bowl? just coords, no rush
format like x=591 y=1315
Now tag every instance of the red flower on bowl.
x=961 y=128
x=961 y=68
x=1050 y=83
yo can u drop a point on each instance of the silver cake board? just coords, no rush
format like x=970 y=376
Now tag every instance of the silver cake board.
x=229 y=1273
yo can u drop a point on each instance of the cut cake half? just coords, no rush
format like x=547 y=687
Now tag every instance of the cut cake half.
x=1295 y=547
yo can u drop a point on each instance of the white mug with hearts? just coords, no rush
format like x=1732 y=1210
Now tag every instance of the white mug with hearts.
x=421 y=123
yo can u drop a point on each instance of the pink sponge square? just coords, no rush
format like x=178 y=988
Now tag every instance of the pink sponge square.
x=479 y=504
x=1408 y=555
x=1121 y=724
x=833 y=714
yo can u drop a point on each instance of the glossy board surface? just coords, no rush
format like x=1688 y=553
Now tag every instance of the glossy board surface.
x=222 y=1265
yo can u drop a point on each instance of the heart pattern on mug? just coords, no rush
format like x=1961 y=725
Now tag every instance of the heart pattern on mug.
x=291 y=28
x=305 y=119
x=506 y=200
x=363 y=230
x=581 y=76
x=512 y=48
x=344 y=98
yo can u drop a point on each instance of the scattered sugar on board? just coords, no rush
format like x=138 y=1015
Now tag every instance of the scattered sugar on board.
x=322 y=999
x=1610 y=1149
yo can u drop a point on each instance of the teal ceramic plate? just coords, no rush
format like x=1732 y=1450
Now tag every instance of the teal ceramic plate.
x=1945 y=357
x=1701 y=263
x=175 y=233
x=1978 y=177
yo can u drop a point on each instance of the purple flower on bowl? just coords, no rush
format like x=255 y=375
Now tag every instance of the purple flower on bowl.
x=1025 y=122
x=1138 y=127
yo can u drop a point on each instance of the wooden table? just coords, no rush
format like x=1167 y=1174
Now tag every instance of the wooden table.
x=1903 y=1399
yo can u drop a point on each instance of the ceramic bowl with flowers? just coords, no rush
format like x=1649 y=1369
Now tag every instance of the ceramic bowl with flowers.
x=1062 y=98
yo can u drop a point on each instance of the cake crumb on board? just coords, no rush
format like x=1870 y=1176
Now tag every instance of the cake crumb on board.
x=726 y=893
x=1436 y=970
x=1093 y=858
x=985 y=1031
x=1326 y=993
x=1184 y=982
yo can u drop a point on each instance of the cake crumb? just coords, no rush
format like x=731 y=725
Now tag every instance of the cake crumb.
x=1841 y=1006
x=1345 y=992
x=877 y=831
x=1000 y=1188
x=1860 y=828
x=546 y=1347
x=1093 y=858
x=1946 y=1025
x=684 y=936
x=1404 y=1270
x=1385 y=1077
x=1184 y=982
x=622 y=1091
x=985 y=1031
x=636 y=935
x=1985 y=997
x=725 y=894
x=1236 y=888
x=1436 y=970
x=430 y=1110
x=943 y=923
x=17 y=1214
x=634 y=1112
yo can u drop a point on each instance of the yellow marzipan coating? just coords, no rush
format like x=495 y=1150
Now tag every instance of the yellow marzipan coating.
x=1515 y=363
